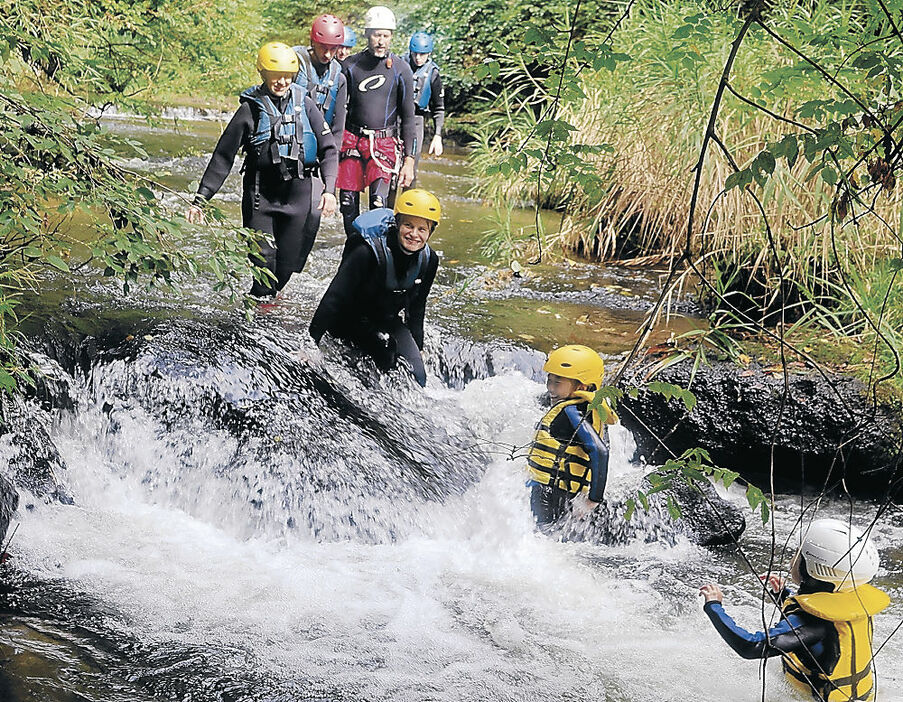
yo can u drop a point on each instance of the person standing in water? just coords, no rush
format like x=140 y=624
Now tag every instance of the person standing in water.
x=321 y=76
x=377 y=299
x=378 y=144
x=568 y=458
x=825 y=633
x=286 y=142
x=429 y=95
x=347 y=45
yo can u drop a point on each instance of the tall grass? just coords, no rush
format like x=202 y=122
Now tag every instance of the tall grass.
x=652 y=111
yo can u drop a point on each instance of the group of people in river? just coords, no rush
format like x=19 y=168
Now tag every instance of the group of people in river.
x=325 y=120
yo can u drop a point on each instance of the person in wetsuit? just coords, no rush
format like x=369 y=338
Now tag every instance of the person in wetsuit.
x=429 y=95
x=345 y=49
x=321 y=75
x=825 y=633
x=378 y=143
x=286 y=143
x=377 y=299
x=568 y=458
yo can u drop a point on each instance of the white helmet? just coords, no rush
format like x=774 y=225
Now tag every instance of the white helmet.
x=379 y=17
x=839 y=553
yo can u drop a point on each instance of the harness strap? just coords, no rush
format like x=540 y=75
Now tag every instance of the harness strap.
x=377 y=133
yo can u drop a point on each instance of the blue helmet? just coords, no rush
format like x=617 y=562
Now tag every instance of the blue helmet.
x=421 y=43
x=350 y=37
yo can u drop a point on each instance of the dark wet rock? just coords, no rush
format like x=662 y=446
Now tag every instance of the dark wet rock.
x=459 y=361
x=53 y=388
x=302 y=448
x=706 y=519
x=826 y=434
x=9 y=502
x=33 y=460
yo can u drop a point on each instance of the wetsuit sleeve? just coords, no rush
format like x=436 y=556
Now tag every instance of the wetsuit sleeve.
x=327 y=153
x=237 y=132
x=794 y=634
x=437 y=102
x=405 y=98
x=337 y=306
x=416 y=310
x=596 y=448
x=341 y=111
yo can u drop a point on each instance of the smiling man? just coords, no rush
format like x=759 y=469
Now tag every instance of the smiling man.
x=377 y=300
x=379 y=141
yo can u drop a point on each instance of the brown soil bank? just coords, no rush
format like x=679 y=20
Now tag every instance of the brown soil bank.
x=824 y=433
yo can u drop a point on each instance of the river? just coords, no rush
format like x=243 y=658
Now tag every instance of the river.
x=250 y=525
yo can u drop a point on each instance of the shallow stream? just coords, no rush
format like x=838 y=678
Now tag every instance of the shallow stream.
x=249 y=524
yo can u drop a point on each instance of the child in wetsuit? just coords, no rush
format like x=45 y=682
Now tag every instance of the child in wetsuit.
x=568 y=459
x=825 y=633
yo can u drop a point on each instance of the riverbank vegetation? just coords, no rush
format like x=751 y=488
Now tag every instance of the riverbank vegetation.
x=61 y=60
x=753 y=146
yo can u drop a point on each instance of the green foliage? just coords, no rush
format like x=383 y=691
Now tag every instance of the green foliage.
x=59 y=172
x=693 y=467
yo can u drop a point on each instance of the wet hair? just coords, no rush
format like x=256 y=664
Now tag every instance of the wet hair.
x=808 y=584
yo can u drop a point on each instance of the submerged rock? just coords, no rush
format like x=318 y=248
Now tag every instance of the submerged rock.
x=460 y=361
x=33 y=461
x=9 y=502
x=824 y=433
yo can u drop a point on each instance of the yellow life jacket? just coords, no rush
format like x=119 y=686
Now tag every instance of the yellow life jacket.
x=851 y=613
x=562 y=464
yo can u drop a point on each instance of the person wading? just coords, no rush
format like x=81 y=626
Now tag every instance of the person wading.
x=377 y=300
x=378 y=144
x=286 y=143
x=825 y=634
x=321 y=76
x=429 y=95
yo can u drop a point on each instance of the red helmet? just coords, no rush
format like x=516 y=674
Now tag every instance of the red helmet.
x=328 y=29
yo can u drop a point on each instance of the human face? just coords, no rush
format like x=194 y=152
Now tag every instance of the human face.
x=324 y=53
x=420 y=59
x=343 y=52
x=560 y=388
x=277 y=83
x=413 y=232
x=378 y=41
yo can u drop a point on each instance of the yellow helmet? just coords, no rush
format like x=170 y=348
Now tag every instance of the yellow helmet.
x=419 y=203
x=278 y=57
x=577 y=362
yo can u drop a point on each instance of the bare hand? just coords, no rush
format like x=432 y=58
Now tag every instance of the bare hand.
x=327 y=204
x=196 y=215
x=436 y=146
x=582 y=506
x=712 y=593
x=775 y=583
x=406 y=177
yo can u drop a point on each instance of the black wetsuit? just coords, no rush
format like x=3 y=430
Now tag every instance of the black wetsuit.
x=380 y=97
x=358 y=307
x=270 y=204
x=435 y=109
